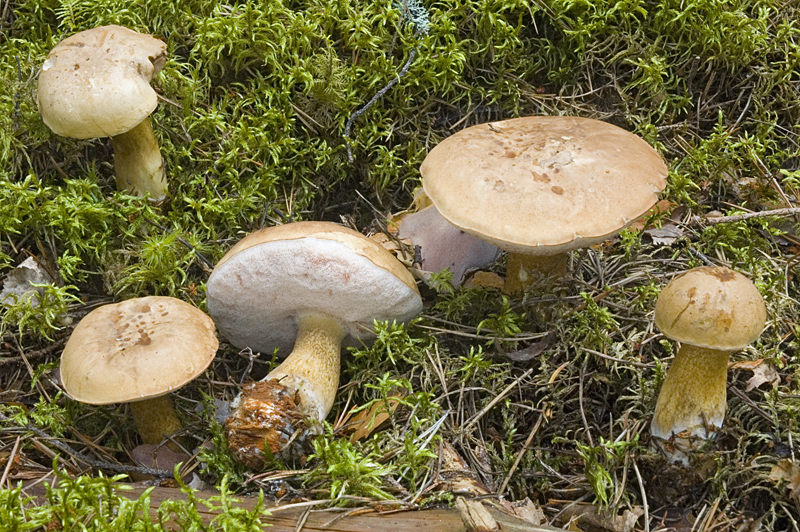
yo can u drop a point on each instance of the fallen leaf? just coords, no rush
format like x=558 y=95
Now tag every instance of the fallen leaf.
x=525 y=510
x=787 y=471
x=665 y=235
x=366 y=421
x=533 y=350
x=481 y=279
x=590 y=515
x=763 y=372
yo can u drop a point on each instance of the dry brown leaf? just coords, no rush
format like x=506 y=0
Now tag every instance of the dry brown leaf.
x=366 y=421
x=763 y=372
x=525 y=510
x=665 y=235
x=482 y=279
x=590 y=515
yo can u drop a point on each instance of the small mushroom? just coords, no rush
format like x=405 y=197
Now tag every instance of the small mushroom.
x=542 y=186
x=311 y=284
x=713 y=311
x=137 y=352
x=96 y=83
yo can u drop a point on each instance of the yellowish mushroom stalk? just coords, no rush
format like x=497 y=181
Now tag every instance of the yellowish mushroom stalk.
x=155 y=419
x=137 y=158
x=522 y=269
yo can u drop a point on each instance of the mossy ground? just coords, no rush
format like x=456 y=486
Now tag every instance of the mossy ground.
x=254 y=102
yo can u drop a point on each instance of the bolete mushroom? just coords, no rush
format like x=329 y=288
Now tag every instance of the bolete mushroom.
x=311 y=284
x=712 y=311
x=137 y=352
x=96 y=83
x=542 y=186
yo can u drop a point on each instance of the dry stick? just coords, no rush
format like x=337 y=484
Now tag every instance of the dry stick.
x=118 y=468
x=518 y=459
x=714 y=220
x=644 y=496
x=583 y=414
x=10 y=462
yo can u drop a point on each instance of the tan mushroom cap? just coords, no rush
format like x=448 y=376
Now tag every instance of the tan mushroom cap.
x=712 y=307
x=543 y=184
x=270 y=279
x=96 y=83
x=137 y=349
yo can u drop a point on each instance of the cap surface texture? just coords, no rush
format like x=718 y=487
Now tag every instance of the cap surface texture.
x=273 y=276
x=543 y=184
x=137 y=349
x=96 y=83
x=713 y=307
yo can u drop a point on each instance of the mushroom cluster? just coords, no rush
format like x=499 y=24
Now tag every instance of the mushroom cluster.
x=311 y=285
x=96 y=83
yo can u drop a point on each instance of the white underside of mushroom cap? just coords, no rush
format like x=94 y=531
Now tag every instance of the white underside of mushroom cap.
x=257 y=296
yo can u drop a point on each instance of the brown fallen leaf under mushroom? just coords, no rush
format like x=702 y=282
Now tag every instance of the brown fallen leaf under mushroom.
x=311 y=285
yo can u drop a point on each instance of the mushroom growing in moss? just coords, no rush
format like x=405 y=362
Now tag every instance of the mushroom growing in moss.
x=712 y=311
x=310 y=284
x=542 y=186
x=96 y=83
x=137 y=352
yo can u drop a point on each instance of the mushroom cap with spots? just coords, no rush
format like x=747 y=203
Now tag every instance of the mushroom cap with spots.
x=712 y=307
x=96 y=83
x=137 y=349
x=272 y=277
x=543 y=184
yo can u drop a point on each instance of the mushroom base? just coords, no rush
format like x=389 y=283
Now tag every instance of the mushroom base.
x=265 y=420
x=523 y=270
x=691 y=404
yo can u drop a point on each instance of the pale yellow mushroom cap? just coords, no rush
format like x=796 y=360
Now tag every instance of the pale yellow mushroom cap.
x=96 y=83
x=713 y=307
x=543 y=184
x=137 y=349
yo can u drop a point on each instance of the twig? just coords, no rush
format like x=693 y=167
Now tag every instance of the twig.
x=714 y=220
x=644 y=496
x=9 y=462
x=519 y=455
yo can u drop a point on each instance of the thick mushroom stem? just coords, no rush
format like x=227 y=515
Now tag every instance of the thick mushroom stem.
x=137 y=158
x=523 y=269
x=268 y=414
x=155 y=419
x=691 y=404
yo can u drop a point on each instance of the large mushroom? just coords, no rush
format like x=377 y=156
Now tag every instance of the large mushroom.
x=542 y=186
x=712 y=311
x=96 y=83
x=311 y=284
x=137 y=352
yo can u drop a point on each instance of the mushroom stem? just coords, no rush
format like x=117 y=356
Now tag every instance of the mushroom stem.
x=522 y=269
x=691 y=404
x=267 y=415
x=314 y=364
x=137 y=158
x=155 y=419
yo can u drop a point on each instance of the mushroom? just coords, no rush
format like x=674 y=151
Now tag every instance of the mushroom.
x=311 y=284
x=96 y=83
x=136 y=352
x=542 y=186
x=712 y=311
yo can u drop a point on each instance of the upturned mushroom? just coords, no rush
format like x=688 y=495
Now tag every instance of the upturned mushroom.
x=137 y=352
x=712 y=311
x=311 y=284
x=96 y=83
x=542 y=186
